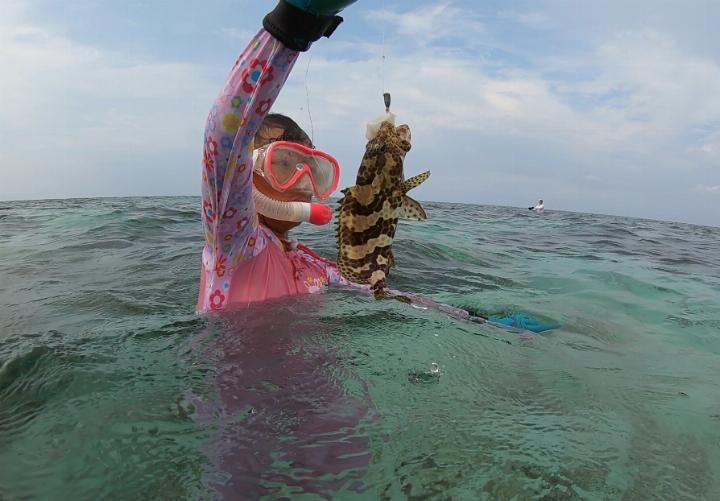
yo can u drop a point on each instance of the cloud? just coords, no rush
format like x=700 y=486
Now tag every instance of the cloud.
x=707 y=144
x=644 y=81
x=76 y=119
x=609 y=130
x=432 y=22
x=712 y=150
x=713 y=190
x=531 y=19
x=622 y=107
x=634 y=92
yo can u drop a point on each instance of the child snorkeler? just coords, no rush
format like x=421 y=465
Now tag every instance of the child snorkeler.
x=261 y=172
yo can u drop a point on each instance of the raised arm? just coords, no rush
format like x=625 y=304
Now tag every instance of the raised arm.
x=253 y=85
x=229 y=218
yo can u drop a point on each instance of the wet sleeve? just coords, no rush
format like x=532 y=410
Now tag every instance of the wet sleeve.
x=422 y=302
x=228 y=216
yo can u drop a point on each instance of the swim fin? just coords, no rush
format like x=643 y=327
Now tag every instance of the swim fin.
x=522 y=321
x=517 y=320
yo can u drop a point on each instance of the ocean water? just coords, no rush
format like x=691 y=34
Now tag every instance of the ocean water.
x=111 y=387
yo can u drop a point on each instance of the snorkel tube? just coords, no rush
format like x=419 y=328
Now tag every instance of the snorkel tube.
x=296 y=212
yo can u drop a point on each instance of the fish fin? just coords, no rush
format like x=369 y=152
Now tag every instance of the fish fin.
x=415 y=181
x=411 y=209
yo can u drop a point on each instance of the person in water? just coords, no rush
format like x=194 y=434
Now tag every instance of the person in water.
x=539 y=208
x=252 y=196
x=260 y=172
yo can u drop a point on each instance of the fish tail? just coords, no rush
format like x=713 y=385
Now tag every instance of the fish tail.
x=379 y=290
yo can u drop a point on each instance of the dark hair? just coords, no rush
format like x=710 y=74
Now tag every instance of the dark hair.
x=291 y=130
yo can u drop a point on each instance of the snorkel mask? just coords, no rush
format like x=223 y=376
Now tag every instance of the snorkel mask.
x=290 y=166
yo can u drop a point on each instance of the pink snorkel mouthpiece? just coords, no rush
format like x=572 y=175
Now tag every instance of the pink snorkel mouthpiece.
x=320 y=214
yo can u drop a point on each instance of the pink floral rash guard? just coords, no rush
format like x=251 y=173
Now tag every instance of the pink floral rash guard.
x=242 y=260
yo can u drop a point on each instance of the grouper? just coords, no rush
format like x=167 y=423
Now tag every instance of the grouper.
x=369 y=211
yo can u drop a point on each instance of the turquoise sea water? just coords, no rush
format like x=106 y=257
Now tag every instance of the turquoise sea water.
x=111 y=388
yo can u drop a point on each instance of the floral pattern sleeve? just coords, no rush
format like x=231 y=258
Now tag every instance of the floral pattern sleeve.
x=229 y=220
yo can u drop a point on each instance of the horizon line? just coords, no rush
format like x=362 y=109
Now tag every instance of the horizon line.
x=3 y=201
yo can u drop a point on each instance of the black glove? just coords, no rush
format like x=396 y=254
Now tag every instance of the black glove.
x=297 y=24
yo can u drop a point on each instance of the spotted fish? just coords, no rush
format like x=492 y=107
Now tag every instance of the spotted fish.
x=369 y=211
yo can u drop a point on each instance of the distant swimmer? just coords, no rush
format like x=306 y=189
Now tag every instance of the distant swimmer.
x=539 y=208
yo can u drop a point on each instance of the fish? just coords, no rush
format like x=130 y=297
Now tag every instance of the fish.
x=368 y=212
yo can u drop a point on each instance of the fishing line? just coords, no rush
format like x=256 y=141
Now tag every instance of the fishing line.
x=307 y=99
x=382 y=48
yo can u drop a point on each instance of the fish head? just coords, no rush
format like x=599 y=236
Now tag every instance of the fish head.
x=382 y=164
x=394 y=138
x=403 y=132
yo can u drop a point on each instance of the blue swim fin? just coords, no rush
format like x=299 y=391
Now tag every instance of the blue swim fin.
x=522 y=321
x=517 y=320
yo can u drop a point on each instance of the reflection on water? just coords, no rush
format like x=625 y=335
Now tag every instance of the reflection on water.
x=284 y=415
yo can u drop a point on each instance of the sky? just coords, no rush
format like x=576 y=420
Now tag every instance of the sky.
x=608 y=107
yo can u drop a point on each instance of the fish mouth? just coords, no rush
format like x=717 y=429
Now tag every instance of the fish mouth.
x=404 y=132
